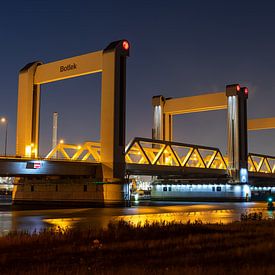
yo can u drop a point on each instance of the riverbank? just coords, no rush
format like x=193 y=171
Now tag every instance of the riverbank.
x=236 y=248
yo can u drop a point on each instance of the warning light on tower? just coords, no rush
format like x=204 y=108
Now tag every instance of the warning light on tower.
x=125 y=45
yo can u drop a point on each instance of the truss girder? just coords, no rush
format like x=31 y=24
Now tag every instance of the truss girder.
x=261 y=163
x=155 y=153
x=89 y=151
x=167 y=153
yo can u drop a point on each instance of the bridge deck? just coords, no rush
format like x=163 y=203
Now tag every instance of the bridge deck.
x=173 y=171
x=28 y=167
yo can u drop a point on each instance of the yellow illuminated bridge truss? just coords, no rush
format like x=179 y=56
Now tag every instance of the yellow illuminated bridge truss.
x=154 y=152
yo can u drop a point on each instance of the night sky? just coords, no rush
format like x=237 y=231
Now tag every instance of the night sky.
x=178 y=48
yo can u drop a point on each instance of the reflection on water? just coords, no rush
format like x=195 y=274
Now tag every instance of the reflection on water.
x=5 y=222
x=219 y=216
x=62 y=224
x=30 y=220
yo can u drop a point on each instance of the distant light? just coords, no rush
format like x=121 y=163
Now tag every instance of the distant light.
x=61 y=141
x=79 y=147
x=125 y=45
x=246 y=91
x=136 y=197
x=3 y=119
x=270 y=199
x=238 y=88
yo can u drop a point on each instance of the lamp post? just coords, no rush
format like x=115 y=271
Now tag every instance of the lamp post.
x=5 y=121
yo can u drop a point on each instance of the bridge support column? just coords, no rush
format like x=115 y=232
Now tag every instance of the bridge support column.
x=113 y=109
x=237 y=132
x=27 y=136
x=162 y=122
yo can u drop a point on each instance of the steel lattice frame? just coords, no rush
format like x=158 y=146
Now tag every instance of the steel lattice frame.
x=156 y=152
x=89 y=151
x=261 y=163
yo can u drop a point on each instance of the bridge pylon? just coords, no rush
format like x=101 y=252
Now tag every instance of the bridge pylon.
x=111 y=62
x=234 y=99
x=237 y=132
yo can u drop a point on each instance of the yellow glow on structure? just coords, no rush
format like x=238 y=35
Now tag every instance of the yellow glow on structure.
x=28 y=151
x=168 y=160
x=34 y=152
x=78 y=147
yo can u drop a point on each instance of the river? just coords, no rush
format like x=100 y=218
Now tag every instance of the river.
x=12 y=219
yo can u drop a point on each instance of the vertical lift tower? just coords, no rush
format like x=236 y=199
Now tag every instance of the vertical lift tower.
x=111 y=62
x=234 y=99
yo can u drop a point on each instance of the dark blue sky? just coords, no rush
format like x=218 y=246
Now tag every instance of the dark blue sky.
x=178 y=48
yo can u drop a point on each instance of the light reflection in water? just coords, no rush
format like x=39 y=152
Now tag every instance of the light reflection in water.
x=97 y=218
x=217 y=216
x=63 y=223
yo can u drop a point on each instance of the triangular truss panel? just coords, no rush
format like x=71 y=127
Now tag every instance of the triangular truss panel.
x=251 y=165
x=218 y=162
x=265 y=168
x=257 y=161
x=152 y=150
x=182 y=153
x=208 y=156
x=168 y=157
x=195 y=160
x=89 y=151
x=136 y=155
x=271 y=162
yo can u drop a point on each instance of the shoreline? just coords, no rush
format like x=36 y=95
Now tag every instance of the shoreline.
x=169 y=248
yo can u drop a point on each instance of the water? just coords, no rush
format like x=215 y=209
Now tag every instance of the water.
x=30 y=219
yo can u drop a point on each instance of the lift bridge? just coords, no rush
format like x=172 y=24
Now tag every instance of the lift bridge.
x=144 y=156
x=98 y=173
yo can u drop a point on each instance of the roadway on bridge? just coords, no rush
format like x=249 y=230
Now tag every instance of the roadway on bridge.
x=100 y=217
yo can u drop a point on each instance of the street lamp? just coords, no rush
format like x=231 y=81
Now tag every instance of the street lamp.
x=5 y=121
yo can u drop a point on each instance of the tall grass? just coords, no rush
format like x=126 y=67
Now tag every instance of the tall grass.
x=158 y=248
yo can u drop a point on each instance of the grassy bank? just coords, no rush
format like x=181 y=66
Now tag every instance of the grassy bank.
x=238 y=248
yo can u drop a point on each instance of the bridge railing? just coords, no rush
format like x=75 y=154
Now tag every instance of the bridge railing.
x=156 y=152
x=261 y=163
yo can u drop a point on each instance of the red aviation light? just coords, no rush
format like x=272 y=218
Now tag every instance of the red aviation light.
x=246 y=91
x=125 y=45
x=238 y=88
